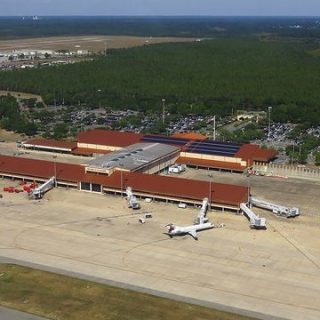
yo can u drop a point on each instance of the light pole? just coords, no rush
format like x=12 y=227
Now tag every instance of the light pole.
x=214 y=128
x=99 y=91
x=269 y=121
x=210 y=194
x=293 y=157
x=121 y=178
x=121 y=183
x=163 y=110
x=55 y=171
x=249 y=189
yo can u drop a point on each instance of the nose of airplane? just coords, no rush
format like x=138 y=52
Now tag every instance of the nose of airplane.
x=170 y=227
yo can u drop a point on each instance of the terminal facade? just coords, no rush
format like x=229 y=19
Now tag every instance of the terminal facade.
x=122 y=159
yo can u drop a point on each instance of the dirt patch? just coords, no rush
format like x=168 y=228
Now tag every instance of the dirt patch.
x=21 y=95
x=10 y=136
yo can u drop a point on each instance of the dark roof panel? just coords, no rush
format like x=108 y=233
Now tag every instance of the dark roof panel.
x=164 y=139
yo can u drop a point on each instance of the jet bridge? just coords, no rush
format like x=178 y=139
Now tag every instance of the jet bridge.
x=132 y=200
x=38 y=193
x=275 y=208
x=201 y=218
x=255 y=221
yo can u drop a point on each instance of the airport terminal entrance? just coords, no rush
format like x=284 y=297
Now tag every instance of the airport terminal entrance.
x=92 y=187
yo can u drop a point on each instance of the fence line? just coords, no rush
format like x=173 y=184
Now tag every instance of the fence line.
x=287 y=170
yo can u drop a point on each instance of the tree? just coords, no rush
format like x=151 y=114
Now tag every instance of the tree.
x=290 y=152
x=30 y=128
x=101 y=121
x=213 y=77
x=317 y=158
x=303 y=156
x=30 y=102
x=60 y=131
x=39 y=105
x=12 y=119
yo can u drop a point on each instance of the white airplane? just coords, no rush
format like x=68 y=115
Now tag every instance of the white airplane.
x=174 y=230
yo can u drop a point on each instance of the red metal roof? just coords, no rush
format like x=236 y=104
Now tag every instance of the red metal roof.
x=41 y=168
x=109 y=138
x=253 y=152
x=51 y=143
x=210 y=163
x=177 y=187
x=150 y=184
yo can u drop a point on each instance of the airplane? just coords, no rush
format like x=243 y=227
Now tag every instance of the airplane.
x=174 y=230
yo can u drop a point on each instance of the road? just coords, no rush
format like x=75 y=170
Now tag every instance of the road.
x=9 y=314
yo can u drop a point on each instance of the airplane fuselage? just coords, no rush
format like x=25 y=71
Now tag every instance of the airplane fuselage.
x=192 y=230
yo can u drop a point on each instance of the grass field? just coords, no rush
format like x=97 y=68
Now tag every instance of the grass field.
x=59 y=297
x=93 y=43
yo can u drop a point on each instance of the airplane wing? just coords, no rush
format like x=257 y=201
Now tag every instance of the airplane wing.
x=168 y=234
x=193 y=234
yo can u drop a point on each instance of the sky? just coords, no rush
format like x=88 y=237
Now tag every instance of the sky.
x=161 y=7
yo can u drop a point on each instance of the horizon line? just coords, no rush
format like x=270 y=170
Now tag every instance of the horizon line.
x=160 y=16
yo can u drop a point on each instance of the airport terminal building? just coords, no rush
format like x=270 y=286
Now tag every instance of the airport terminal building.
x=195 y=151
x=117 y=160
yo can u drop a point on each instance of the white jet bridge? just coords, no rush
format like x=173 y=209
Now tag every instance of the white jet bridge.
x=255 y=221
x=38 y=193
x=132 y=200
x=201 y=218
x=275 y=208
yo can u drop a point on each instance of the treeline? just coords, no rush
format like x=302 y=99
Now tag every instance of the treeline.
x=299 y=152
x=213 y=76
x=16 y=27
x=12 y=119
